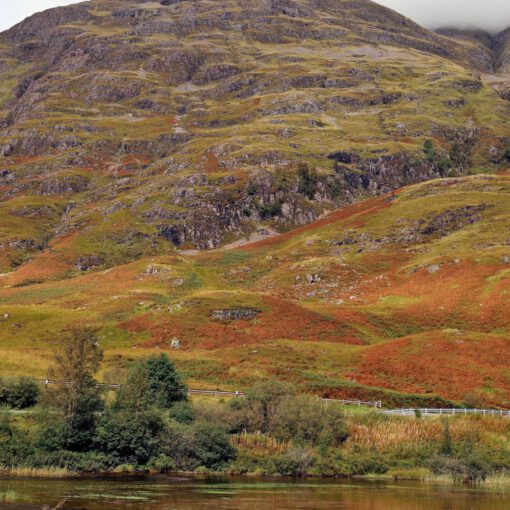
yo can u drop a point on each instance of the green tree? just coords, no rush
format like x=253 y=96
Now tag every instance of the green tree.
x=428 y=149
x=262 y=401
x=307 y=419
x=77 y=394
x=21 y=393
x=307 y=180
x=129 y=438
x=152 y=382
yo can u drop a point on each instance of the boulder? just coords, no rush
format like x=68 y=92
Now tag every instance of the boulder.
x=235 y=314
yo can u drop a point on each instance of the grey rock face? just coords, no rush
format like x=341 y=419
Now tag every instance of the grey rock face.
x=453 y=220
x=89 y=262
x=235 y=314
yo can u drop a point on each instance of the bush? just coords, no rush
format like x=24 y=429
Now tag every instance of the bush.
x=231 y=416
x=201 y=445
x=472 y=468
x=506 y=151
x=182 y=412
x=295 y=462
x=271 y=210
x=162 y=464
x=152 y=382
x=212 y=446
x=262 y=401
x=129 y=438
x=366 y=461
x=428 y=149
x=307 y=180
x=20 y=393
x=309 y=420
x=455 y=154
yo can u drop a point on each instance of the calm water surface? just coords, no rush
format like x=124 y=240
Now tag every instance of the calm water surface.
x=166 y=493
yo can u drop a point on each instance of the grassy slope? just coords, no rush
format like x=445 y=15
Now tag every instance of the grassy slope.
x=426 y=316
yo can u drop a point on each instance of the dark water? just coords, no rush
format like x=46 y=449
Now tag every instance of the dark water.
x=166 y=493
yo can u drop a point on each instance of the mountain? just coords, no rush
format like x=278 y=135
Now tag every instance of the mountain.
x=134 y=135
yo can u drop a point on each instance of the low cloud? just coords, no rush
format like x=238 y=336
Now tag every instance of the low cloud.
x=14 y=11
x=490 y=15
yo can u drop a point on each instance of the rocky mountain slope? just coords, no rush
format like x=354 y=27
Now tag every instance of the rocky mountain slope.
x=129 y=128
x=403 y=298
x=133 y=134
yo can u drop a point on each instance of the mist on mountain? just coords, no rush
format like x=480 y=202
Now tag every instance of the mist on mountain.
x=491 y=15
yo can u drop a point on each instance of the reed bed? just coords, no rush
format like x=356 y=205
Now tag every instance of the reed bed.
x=28 y=472
x=389 y=433
x=260 y=442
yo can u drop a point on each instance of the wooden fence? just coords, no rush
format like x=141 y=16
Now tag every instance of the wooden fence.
x=216 y=393
x=376 y=404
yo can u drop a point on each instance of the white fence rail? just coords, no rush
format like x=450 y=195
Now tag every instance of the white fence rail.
x=377 y=403
x=446 y=412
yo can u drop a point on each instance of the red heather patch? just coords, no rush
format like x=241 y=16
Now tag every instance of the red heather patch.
x=211 y=165
x=452 y=365
x=282 y=320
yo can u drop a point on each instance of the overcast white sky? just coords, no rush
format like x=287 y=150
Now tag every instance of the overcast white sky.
x=492 y=15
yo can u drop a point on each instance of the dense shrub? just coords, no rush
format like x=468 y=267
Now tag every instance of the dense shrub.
x=129 y=438
x=183 y=412
x=307 y=180
x=212 y=446
x=308 y=419
x=362 y=461
x=262 y=401
x=202 y=445
x=152 y=382
x=295 y=462
x=471 y=468
x=19 y=393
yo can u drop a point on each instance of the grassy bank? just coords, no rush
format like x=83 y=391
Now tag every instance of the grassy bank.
x=150 y=425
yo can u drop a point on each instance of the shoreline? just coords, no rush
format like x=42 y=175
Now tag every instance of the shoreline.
x=495 y=484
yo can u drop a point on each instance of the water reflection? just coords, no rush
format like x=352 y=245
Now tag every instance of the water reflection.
x=166 y=493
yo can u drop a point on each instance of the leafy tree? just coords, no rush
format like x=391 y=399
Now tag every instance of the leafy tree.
x=262 y=401
x=307 y=180
x=309 y=420
x=152 y=382
x=212 y=446
x=455 y=153
x=22 y=393
x=78 y=395
x=129 y=438
x=428 y=149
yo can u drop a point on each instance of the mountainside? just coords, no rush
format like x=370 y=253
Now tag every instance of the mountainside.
x=403 y=294
x=133 y=127
x=135 y=134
